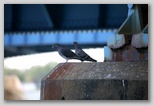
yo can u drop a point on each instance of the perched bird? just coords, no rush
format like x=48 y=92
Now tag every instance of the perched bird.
x=65 y=52
x=80 y=53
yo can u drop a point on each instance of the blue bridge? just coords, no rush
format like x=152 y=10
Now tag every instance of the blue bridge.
x=33 y=28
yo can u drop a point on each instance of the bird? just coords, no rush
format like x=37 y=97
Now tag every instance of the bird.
x=83 y=55
x=65 y=52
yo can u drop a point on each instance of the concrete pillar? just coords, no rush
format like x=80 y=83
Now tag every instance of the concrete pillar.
x=97 y=81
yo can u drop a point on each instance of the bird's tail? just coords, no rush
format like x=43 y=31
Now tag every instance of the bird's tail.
x=91 y=59
x=88 y=58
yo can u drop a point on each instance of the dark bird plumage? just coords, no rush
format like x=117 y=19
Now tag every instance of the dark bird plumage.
x=81 y=54
x=65 y=52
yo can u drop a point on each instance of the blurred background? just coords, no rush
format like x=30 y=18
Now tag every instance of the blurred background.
x=31 y=29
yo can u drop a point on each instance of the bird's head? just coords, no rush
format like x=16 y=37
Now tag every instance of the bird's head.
x=56 y=45
x=75 y=43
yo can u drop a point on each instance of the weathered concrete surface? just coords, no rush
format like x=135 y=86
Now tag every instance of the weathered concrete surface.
x=97 y=81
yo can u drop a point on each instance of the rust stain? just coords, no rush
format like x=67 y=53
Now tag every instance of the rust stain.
x=52 y=90
x=52 y=85
x=141 y=56
x=117 y=55
x=61 y=71
x=130 y=54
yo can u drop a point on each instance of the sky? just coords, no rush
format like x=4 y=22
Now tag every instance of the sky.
x=27 y=61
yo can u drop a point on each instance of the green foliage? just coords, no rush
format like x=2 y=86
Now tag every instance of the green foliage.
x=6 y=71
x=34 y=74
x=19 y=73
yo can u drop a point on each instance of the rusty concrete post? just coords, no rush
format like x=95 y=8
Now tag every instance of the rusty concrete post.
x=97 y=81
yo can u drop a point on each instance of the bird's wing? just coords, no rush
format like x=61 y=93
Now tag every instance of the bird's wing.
x=85 y=56
x=68 y=53
x=81 y=53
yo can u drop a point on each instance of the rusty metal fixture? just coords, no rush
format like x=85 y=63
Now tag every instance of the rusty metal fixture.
x=125 y=53
x=130 y=54
x=134 y=49
x=140 y=40
x=116 y=41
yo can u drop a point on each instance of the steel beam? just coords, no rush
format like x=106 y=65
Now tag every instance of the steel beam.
x=62 y=37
